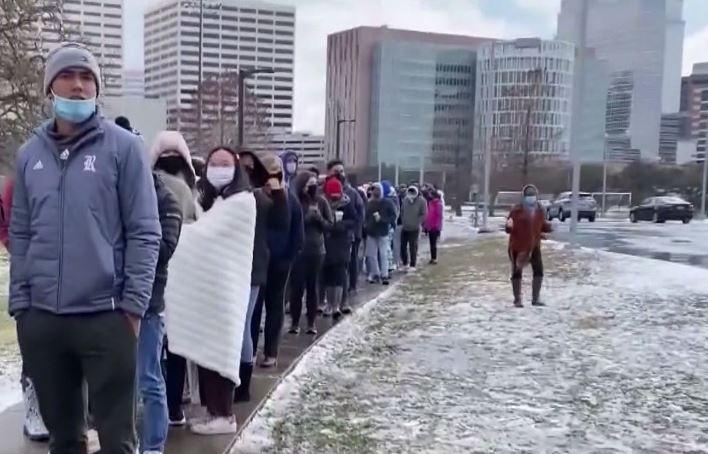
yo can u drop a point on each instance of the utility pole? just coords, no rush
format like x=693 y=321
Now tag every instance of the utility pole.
x=705 y=183
x=337 y=132
x=244 y=74
x=491 y=78
x=604 y=178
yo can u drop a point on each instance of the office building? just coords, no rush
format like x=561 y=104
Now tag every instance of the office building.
x=641 y=42
x=694 y=102
x=237 y=34
x=134 y=83
x=309 y=147
x=99 y=24
x=524 y=98
x=409 y=93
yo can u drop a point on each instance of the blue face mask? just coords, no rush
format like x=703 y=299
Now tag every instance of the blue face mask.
x=530 y=200
x=74 y=110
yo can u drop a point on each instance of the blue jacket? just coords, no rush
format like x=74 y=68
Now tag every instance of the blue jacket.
x=84 y=231
x=287 y=247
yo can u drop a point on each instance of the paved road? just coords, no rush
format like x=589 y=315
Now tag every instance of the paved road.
x=673 y=242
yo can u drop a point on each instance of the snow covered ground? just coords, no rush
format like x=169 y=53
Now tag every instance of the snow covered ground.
x=615 y=364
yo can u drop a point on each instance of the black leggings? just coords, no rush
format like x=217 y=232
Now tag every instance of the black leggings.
x=536 y=264
x=433 y=237
x=305 y=277
x=272 y=296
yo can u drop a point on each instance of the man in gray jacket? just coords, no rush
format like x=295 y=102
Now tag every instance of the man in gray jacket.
x=84 y=243
x=413 y=211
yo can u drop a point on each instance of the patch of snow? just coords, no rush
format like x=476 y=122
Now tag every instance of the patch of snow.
x=616 y=363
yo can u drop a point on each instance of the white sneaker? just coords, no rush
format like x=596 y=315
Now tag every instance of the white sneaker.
x=412 y=269
x=152 y=452
x=34 y=427
x=93 y=444
x=216 y=426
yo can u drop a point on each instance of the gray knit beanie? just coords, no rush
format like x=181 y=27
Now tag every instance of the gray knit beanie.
x=70 y=55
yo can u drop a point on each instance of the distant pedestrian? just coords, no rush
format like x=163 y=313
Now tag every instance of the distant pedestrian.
x=380 y=215
x=526 y=226
x=413 y=211
x=434 y=223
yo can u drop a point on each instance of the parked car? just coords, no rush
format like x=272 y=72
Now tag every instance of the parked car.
x=561 y=207
x=662 y=209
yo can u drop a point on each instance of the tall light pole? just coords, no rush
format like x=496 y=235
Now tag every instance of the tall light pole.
x=339 y=124
x=244 y=74
x=577 y=109
x=604 y=177
x=489 y=137
x=705 y=183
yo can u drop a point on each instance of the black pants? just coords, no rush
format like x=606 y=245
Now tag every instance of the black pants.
x=60 y=352
x=536 y=261
x=433 y=237
x=305 y=277
x=217 y=393
x=175 y=374
x=272 y=296
x=409 y=243
x=354 y=264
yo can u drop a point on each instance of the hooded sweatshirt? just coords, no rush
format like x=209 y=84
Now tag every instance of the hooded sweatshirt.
x=413 y=211
x=387 y=216
x=317 y=215
x=289 y=158
x=172 y=141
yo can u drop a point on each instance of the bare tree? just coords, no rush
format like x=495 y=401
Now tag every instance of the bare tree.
x=27 y=28
x=220 y=114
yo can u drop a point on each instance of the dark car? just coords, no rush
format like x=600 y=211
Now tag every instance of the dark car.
x=662 y=209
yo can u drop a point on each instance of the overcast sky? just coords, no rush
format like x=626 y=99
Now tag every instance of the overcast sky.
x=493 y=18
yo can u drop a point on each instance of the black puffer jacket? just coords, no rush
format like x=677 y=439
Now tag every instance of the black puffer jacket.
x=341 y=235
x=271 y=214
x=317 y=215
x=171 y=222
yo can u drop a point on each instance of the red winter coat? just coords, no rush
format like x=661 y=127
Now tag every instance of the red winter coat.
x=6 y=207
x=527 y=231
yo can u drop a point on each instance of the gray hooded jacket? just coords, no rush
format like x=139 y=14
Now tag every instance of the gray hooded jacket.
x=85 y=231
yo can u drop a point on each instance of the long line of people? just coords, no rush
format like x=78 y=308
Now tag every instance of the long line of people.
x=129 y=267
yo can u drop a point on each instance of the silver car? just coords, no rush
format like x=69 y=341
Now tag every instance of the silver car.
x=561 y=207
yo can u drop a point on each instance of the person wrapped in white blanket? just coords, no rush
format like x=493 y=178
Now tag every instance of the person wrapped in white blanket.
x=209 y=303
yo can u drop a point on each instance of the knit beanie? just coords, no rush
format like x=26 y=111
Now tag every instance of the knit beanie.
x=70 y=55
x=333 y=187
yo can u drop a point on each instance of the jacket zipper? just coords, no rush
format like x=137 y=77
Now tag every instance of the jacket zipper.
x=63 y=159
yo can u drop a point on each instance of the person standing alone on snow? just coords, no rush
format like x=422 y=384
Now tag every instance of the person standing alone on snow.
x=84 y=245
x=526 y=226
x=413 y=211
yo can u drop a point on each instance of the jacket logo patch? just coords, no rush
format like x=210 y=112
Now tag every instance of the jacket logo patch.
x=89 y=161
x=38 y=166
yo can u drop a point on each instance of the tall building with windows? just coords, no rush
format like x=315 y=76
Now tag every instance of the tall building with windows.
x=236 y=34
x=410 y=94
x=524 y=97
x=99 y=23
x=309 y=147
x=641 y=42
x=134 y=83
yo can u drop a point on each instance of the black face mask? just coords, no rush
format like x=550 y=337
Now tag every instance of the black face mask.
x=312 y=191
x=174 y=165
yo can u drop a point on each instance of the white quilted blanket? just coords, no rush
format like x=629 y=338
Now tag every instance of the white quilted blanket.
x=209 y=283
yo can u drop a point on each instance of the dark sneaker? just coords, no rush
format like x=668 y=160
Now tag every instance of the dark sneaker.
x=538 y=304
x=384 y=281
x=346 y=310
x=518 y=304
x=294 y=330
x=337 y=314
x=178 y=420
x=311 y=330
x=433 y=262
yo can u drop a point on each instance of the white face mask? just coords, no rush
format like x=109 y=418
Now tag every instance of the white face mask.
x=220 y=176
x=291 y=167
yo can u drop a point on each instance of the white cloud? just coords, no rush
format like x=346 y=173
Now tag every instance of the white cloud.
x=695 y=49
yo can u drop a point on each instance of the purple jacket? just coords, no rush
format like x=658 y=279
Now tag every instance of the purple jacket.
x=434 y=218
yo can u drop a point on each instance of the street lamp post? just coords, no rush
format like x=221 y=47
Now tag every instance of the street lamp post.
x=339 y=124
x=604 y=178
x=244 y=74
x=705 y=183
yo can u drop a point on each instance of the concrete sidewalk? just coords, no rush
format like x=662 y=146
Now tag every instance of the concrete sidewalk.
x=181 y=440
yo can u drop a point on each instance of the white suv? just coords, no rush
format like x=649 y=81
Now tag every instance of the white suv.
x=561 y=207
